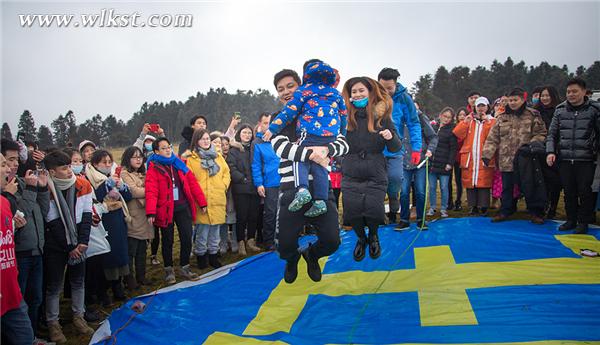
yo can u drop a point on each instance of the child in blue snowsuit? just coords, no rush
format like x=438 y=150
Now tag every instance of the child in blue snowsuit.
x=321 y=114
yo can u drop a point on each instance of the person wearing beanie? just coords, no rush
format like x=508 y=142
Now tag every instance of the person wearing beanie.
x=145 y=140
x=87 y=149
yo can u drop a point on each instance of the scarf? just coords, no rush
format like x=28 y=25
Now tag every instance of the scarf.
x=64 y=184
x=207 y=160
x=66 y=208
x=173 y=161
x=113 y=200
x=94 y=176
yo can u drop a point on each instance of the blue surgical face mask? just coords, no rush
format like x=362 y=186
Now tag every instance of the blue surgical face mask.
x=104 y=170
x=148 y=147
x=535 y=101
x=77 y=168
x=361 y=103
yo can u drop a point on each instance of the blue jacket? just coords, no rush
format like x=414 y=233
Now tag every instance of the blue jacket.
x=319 y=107
x=405 y=113
x=265 y=164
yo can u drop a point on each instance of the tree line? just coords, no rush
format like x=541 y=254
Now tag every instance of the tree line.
x=450 y=88
x=432 y=92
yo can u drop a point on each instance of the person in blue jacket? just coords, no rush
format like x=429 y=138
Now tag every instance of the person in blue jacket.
x=320 y=112
x=404 y=113
x=265 y=165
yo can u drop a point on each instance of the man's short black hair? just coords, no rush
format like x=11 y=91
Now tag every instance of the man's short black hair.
x=517 y=91
x=308 y=62
x=286 y=73
x=577 y=81
x=195 y=118
x=8 y=145
x=388 y=74
x=56 y=159
x=473 y=93
x=263 y=115
x=156 y=143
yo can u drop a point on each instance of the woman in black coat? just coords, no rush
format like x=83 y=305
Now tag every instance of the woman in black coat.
x=245 y=197
x=364 y=172
x=549 y=99
x=442 y=162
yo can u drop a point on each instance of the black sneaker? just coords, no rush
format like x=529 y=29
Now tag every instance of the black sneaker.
x=91 y=315
x=568 y=225
x=474 y=212
x=312 y=265
x=421 y=225
x=457 y=206
x=581 y=229
x=402 y=225
x=291 y=270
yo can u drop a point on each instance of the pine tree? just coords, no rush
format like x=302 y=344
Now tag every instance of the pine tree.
x=45 y=137
x=5 y=133
x=26 y=127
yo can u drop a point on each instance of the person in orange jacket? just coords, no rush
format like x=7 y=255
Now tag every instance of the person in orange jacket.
x=476 y=177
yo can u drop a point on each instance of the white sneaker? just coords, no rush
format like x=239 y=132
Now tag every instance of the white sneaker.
x=187 y=273
x=431 y=212
x=444 y=213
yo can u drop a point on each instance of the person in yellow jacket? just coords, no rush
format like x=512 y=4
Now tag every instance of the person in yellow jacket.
x=212 y=173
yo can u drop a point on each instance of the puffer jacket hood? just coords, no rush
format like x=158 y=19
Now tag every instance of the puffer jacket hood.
x=320 y=73
x=187 y=133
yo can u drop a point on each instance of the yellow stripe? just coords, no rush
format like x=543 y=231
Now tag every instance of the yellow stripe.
x=439 y=281
x=226 y=338
x=543 y=342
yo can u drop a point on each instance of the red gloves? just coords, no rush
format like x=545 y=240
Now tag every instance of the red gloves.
x=415 y=158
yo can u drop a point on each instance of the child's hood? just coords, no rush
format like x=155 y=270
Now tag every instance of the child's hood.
x=319 y=73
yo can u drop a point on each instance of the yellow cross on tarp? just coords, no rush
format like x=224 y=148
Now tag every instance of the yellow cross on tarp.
x=441 y=285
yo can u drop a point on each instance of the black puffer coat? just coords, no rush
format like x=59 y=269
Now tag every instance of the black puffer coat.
x=546 y=114
x=445 y=151
x=528 y=172
x=240 y=167
x=573 y=134
x=364 y=170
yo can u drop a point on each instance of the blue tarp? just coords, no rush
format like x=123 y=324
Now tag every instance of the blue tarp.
x=465 y=280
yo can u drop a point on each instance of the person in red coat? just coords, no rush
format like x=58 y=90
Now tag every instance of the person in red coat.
x=16 y=327
x=173 y=196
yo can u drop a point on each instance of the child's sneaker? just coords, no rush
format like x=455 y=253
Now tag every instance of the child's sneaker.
x=431 y=212
x=318 y=208
x=444 y=213
x=302 y=198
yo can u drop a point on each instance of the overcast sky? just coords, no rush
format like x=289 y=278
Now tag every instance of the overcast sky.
x=241 y=45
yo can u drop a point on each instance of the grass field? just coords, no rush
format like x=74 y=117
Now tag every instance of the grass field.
x=155 y=274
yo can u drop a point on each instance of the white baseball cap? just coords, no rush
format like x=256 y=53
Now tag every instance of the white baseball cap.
x=482 y=100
